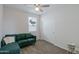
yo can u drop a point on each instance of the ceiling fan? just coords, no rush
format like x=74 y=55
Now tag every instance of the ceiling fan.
x=39 y=7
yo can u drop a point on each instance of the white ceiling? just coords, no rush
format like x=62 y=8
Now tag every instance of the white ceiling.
x=28 y=8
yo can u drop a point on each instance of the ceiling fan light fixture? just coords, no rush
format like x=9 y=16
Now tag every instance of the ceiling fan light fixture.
x=37 y=9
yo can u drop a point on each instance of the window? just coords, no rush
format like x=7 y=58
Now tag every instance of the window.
x=32 y=22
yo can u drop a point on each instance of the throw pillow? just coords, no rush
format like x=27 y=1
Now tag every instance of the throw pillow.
x=9 y=40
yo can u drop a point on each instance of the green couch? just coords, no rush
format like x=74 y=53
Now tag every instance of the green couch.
x=23 y=39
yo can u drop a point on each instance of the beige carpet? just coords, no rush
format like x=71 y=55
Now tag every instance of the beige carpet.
x=43 y=47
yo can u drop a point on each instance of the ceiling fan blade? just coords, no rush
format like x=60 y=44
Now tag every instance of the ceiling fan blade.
x=45 y=5
x=41 y=10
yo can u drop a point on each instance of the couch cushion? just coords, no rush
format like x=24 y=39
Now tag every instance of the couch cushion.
x=26 y=42
x=9 y=39
x=10 y=48
x=20 y=37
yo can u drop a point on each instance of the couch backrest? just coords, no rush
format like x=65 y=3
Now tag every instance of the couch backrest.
x=21 y=36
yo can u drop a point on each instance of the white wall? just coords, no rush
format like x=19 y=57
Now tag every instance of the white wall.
x=16 y=20
x=1 y=19
x=61 y=25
